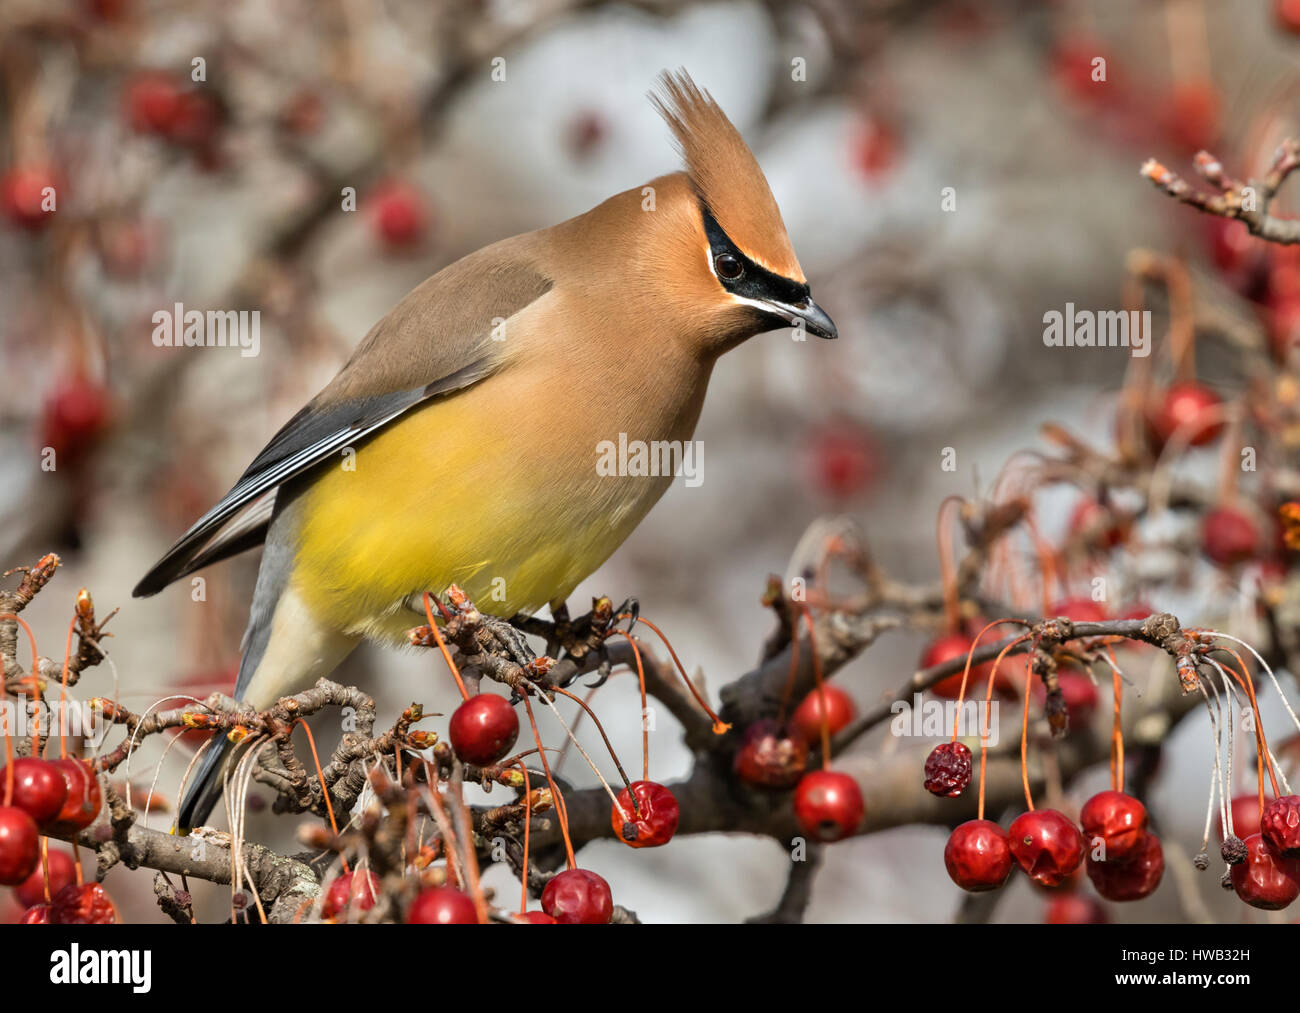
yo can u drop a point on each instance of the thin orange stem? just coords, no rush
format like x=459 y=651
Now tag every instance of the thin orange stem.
x=645 y=727
x=442 y=646
x=988 y=707
x=528 y=821
x=965 y=675
x=1024 y=737
x=794 y=671
x=4 y=696
x=600 y=728
x=63 y=693
x=320 y=775
x=720 y=727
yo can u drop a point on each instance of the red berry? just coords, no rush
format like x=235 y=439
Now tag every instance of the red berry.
x=483 y=729
x=1073 y=908
x=585 y=133
x=83 y=802
x=578 y=897
x=537 y=918
x=19 y=845
x=655 y=820
x=152 y=102
x=351 y=891
x=87 y=904
x=1076 y=72
x=1194 y=115
x=23 y=195
x=1280 y=825
x=947 y=770
x=1245 y=816
x=399 y=214
x=1101 y=524
x=844 y=459
x=770 y=756
x=978 y=856
x=195 y=121
x=830 y=703
x=1284 y=325
x=1133 y=879
x=875 y=148
x=1229 y=536
x=62 y=873
x=39 y=914
x=1080 y=695
x=39 y=788
x=957 y=645
x=1265 y=879
x=1047 y=845
x=1287 y=15
x=1187 y=408
x=1118 y=822
x=828 y=805
x=74 y=415
x=442 y=905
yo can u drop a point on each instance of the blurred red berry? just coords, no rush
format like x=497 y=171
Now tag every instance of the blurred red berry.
x=29 y=195
x=399 y=214
x=951 y=646
x=75 y=414
x=875 y=148
x=537 y=918
x=845 y=461
x=830 y=703
x=354 y=891
x=1229 y=536
x=1193 y=115
x=1076 y=66
x=1106 y=529
x=1080 y=610
x=152 y=101
x=585 y=133
x=770 y=756
x=1074 y=908
x=1188 y=408
x=63 y=872
x=1286 y=13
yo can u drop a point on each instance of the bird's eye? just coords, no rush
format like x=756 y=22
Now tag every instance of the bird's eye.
x=728 y=267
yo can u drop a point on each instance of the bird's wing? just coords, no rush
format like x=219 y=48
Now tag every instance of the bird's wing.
x=436 y=341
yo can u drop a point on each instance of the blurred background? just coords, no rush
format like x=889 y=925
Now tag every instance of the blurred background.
x=225 y=192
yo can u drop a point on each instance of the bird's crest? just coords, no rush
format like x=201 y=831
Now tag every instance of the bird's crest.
x=725 y=173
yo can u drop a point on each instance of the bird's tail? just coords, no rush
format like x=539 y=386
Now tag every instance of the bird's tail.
x=205 y=790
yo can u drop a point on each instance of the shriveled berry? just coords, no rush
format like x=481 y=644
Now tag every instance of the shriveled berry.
x=84 y=904
x=770 y=755
x=654 y=820
x=1233 y=850
x=578 y=897
x=1117 y=822
x=1132 y=879
x=1266 y=879
x=1281 y=825
x=1047 y=845
x=978 y=856
x=948 y=769
x=37 y=914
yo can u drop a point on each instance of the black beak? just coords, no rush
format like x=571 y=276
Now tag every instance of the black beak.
x=815 y=319
x=807 y=314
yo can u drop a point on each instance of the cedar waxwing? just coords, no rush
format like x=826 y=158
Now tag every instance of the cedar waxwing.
x=474 y=457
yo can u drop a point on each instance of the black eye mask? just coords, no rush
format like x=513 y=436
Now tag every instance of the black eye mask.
x=754 y=282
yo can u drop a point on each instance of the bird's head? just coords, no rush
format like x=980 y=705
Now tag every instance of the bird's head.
x=738 y=259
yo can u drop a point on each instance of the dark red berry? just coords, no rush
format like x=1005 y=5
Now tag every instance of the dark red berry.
x=828 y=805
x=1229 y=536
x=843 y=459
x=483 y=729
x=1101 y=525
x=830 y=703
x=1194 y=115
x=957 y=645
x=947 y=770
x=442 y=905
x=978 y=856
x=1287 y=15
x=1047 y=845
x=1265 y=879
x=87 y=904
x=578 y=897
x=354 y=891
x=1133 y=879
x=1080 y=694
x=1115 y=824
x=770 y=756
x=1245 y=816
x=63 y=872
x=1080 y=610
x=73 y=417
x=152 y=101
x=1074 y=908
x=1280 y=825
x=23 y=193
x=38 y=914
x=652 y=823
x=19 y=845
x=39 y=788
x=1187 y=408
x=83 y=802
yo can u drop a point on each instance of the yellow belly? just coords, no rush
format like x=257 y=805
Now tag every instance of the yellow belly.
x=465 y=491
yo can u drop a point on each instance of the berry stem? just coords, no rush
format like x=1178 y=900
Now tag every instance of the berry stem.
x=988 y=706
x=63 y=692
x=1116 y=730
x=442 y=646
x=794 y=671
x=645 y=728
x=965 y=675
x=560 y=809
x=324 y=789
x=600 y=728
x=528 y=822
x=821 y=695
x=720 y=727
